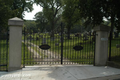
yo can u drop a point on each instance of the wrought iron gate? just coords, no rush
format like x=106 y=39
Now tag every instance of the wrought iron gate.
x=114 y=49
x=41 y=48
x=4 y=38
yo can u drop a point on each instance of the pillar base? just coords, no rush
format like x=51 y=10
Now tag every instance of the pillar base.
x=14 y=68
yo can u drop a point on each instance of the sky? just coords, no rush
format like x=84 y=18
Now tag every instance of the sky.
x=30 y=15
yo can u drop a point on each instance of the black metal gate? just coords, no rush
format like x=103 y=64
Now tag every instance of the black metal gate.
x=4 y=51
x=41 y=48
x=114 y=48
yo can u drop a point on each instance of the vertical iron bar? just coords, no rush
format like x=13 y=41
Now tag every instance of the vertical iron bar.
x=24 y=50
x=0 y=52
x=39 y=50
x=61 y=43
x=7 y=50
x=27 y=47
x=94 y=46
x=36 y=47
x=3 y=53
x=33 y=48
x=30 y=45
x=110 y=46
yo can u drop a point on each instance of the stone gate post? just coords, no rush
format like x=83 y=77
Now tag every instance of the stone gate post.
x=101 y=49
x=15 y=43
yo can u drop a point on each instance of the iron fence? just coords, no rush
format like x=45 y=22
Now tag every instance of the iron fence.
x=114 y=49
x=4 y=39
x=42 y=48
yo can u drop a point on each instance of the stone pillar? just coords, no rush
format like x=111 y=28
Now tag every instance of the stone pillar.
x=101 y=49
x=15 y=43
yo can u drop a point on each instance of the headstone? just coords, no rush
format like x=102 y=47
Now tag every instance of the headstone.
x=77 y=35
x=85 y=37
x=37 y=38
x=44 y=41
x=30 y=37
x=41 y=36
x=117 y=45
x=52 y=39
x=59 y=34
x=60 y=39
x=56 y=44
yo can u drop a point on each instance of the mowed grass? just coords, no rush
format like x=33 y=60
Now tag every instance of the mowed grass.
x=85 y=56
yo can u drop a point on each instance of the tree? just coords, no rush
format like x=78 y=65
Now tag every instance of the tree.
x=51 y=10
x=5 y=14
x=94 y=11
x=31 y=25
x=70 y=14
x=12 y=8
x=41 y=21
x=20 y=6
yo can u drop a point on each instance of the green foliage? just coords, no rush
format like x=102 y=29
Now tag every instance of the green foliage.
x=51 y=12
x=12 y=8
x=20 y=6
x=70 y=14
x=4 y=15
x=41 y=21
x=31 y=25
x=94 y=11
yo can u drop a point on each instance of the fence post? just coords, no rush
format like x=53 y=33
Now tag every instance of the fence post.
x=15 y=43
x=101 y=47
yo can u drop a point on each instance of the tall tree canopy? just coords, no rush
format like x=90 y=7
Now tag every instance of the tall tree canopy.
x=20 y=6
x=13 y=8
x=95 y=10
x=70 y=14
x=41 y=21
x=51 y=10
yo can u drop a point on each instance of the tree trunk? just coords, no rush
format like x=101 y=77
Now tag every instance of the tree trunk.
x=116 y=34
x=112 y=24
x=68 y=33
x=52 y=31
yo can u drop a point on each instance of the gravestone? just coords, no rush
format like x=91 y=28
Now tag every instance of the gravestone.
x=41 y=36
x=56 y=44
x=37 y=38
x=60 y=39
x=44 y=41
x=85 y=37
x=117 y=45
x=77 y=35
x=30 y=37
x=52 y=39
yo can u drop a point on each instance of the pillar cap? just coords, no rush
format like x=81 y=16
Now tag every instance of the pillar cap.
x=102 y=27
x=15 y=22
